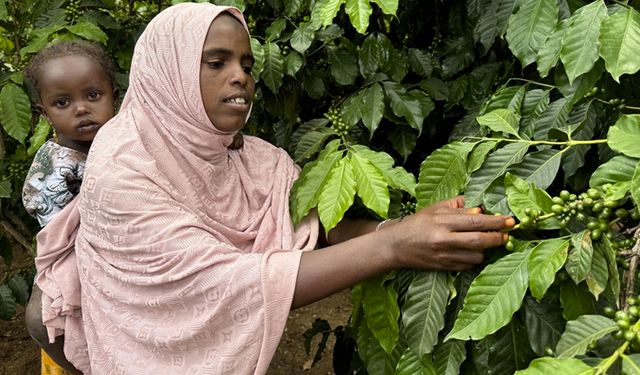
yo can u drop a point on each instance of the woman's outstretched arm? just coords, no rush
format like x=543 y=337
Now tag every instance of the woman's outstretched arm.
x=441 y=237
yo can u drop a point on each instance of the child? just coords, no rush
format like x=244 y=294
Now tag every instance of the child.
x=72 y=84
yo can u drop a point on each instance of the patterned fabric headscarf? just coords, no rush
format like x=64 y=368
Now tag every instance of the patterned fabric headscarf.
x=186 y=252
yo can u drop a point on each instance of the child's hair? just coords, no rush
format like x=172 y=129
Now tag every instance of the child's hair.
x=33 y=71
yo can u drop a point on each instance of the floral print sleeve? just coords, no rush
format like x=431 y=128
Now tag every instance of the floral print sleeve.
x=52 y=181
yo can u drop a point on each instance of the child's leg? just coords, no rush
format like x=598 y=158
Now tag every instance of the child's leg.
x=33 y=318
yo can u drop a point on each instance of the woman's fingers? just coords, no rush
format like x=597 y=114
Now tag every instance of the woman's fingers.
x=476 y=222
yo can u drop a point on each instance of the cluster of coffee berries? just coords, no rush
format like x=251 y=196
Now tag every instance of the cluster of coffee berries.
x=435 y=42
x=17 y=170
x=594 y=90
x=72 y=11
x=337 y=123
x=592 y=208
x=618 y=104
x=407 y=208
x=626 y=322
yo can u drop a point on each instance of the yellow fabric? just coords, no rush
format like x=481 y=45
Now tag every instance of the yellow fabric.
x=49 y=366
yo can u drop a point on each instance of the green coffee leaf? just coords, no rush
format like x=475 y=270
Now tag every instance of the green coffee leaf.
x=88 y=31
x=292 y=63
x=314 y=175
x=275 y=29
x=631 y=364
x=624 y=135
x=581 y=332
x=7 y=303
x=529 y=28
x=554 y=117
x=436 y=88
x=420 y=62
x=449 y=356
x=635 y=186
x=493 y=167
x=337 y=195
x=610 y=254
x=410 y=364
x=500 y=120
x=380 y=303
x=575 y=300
x=550 y=365
x=292 y=7
x=372 y=107
x=359 y=12
x=397 y=178
x=522 y=195
x=579 y=258
x=376 y=359
x=20 y=289
x=545 y=260
x=539 y=168
x=509 y=349
x=443 y=174
x=370 y=55
x=326 y=11
x=479 y=154
x=15 y=112
x=549 y=54
x=620 y=42
x=535 y=102
x=404 y=141
x=40 y=135
x=258 y=54
x=620 y=168
x=580 y=43
x=370 y=185
x=273 y=66
x=5 y=189
x=388 y=6
x=302 y=37
x=598 y=274
x=492 y=298
x=423 y=312
x=404 y=105
x=545 y=324
x=311 y=142
x=343 y=66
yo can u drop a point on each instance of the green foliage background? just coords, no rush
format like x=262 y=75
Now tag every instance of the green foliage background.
x=393 y=105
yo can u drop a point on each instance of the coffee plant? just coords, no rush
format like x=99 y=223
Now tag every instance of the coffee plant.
x=527 y=107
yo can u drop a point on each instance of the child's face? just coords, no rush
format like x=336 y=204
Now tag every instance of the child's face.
x=77 y=98
x=226 y=84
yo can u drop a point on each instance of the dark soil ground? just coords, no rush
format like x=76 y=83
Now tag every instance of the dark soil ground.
x=20 y=356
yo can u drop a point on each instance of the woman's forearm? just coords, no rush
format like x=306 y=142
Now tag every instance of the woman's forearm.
x=328 y=270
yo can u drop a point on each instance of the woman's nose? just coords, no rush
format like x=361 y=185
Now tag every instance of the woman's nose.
x=239 y=76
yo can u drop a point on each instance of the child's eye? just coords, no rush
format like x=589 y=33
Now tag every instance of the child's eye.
x=215 y=64
x=61 y=103
x=247 y=69
x=93 y=96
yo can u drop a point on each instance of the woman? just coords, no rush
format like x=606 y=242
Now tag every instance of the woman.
x=188 y=259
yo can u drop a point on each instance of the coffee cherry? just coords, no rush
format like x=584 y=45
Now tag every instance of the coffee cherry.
x=609 y=311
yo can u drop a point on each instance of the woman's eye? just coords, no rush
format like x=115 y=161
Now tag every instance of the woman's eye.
x=94 y=96
x=215 y=64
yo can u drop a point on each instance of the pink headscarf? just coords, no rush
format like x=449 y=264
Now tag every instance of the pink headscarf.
x=185 y=250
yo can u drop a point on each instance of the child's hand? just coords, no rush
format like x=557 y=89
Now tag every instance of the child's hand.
x=237 y=142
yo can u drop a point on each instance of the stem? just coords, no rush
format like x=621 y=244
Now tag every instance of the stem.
x=630 y=275
x=604 y=365
x=533 y=143
x=13 y=232
x=530 y=81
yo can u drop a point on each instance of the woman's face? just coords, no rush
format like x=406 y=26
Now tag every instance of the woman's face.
x=226 y=84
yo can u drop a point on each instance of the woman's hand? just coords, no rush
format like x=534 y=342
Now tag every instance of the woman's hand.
x=446 y=236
